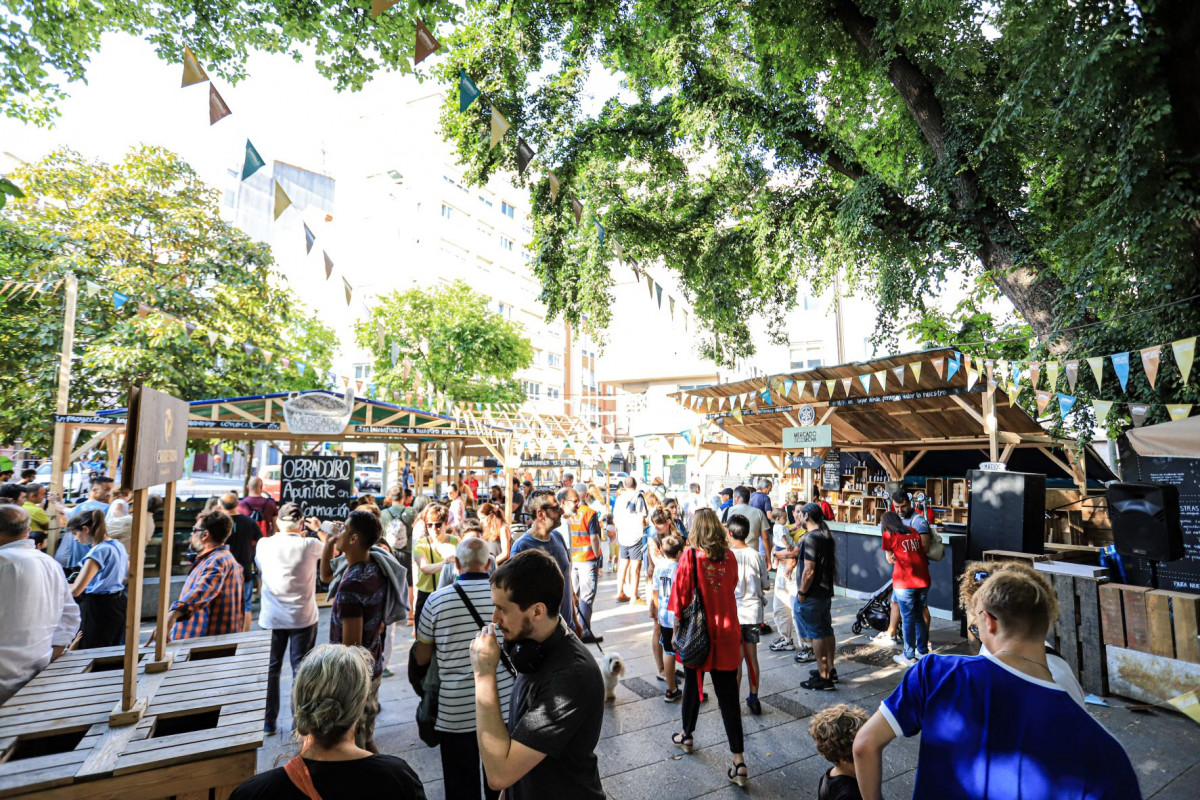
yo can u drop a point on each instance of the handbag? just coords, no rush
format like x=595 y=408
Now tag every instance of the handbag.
x=691 y=625
x=937 y=548
x=427 y=709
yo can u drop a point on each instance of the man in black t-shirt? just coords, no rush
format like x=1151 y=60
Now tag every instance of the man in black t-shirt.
x=814 y=595
x=241 y=543
x=548 y=748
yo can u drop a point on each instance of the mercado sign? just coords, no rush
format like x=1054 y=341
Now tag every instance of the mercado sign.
x=808 y=436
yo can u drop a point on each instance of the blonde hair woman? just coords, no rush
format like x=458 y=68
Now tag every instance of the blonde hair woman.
x=495 y=532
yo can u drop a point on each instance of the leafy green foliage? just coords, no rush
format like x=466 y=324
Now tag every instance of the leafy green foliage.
x=150 y=228
x=450 y=340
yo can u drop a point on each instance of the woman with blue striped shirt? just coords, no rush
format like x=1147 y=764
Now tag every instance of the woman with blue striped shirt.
x=101 y=581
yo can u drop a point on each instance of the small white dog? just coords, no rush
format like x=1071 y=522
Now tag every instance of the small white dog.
x=613 y=668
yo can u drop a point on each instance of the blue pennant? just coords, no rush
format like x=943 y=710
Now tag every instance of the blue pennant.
x=1120 y=362
x=119 y=299
x=1065 y=403
x=951 y=369
x=468 y=92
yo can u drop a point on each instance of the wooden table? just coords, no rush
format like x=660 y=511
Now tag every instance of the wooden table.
x=199 y=737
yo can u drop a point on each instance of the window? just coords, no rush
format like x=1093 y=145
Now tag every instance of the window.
x=506 y=243
x=486 y=231
x=485 y=201
x=505 y=310
x=362 y=371
x=537 y=355
x=446 y=211
x=554 y=360
x=807 y=355
x=532 y=390
x=808 y=302
x=554 y=393
x=230 y=198
x=506 y=209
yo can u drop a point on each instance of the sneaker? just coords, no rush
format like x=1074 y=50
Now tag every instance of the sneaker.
x=622 y=598
x=781 y=644
x=671 y=697
x=816 y=673
x=818 y=684
x=903 y=660
x=591 y=639
x=806 y=656
x=268 y=731
x=754 y=706
x=387 y=673
x=883 y=639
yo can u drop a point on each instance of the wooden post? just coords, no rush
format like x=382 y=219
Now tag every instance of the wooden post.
x=989 y=425
x=62 y=445
x=161 y=661
x=420 y=484
x=130 y=709
x=508 y=492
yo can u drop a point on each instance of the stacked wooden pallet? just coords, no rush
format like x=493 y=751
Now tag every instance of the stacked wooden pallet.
x=1076 y=632
x=1153 y=653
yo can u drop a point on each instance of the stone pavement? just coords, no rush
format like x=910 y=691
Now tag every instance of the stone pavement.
x=637 y=759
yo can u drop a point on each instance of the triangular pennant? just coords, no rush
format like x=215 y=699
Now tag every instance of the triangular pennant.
x=1065 y=403
x=143 y=309
x=600 y=236
x=300 y=367
x=348 y=288
x=816 y=389
x=227 y=340
x=119 y=299
x=846 y=384
x=380 y=6
x=1179 y=410
x=1013 y=391
x=468 y=92
x=190 y=327
x=285 y=362
x=1043 y=400
x=91 y=289
x=952 y=367
x=1072 y=373
x=217 y=109
x=1035 y=373
x=1120 y=362
x=525 y=154
x=309 y=239
x=253 y=163
x=328 y=264
x=650 y=286
x=577 y=207
x=248 y=348
x=500 y=126
x=658 y=294
x=991 y=377
x=267 y=354
x=829 y=386
x=865 y=380
x=1102 y=407
x=787 y=387
x=916 y=371
x=899 y=373
x=212 y=338
x=737 y=414
x=972 y=378
x=427 y=45
x=282 y=201
x=1097 y=365
x=192 y=71
x=671 y=301
x=1150 y=361
x=1003 y=366
x=881 y=379
x=1138 y=411
x=1185 y=352
x=395 y=353
x=939 y=366
x=766 y=396
x=555 y=185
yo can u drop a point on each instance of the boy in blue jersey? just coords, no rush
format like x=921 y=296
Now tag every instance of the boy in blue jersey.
x=997 y=726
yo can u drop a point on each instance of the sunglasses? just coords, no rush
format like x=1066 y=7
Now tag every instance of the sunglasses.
x=437 y=524
x=974 y=629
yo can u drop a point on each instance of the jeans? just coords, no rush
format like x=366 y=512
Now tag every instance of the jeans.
x=462 y=770
x=301 y=640
x=912 y=620
x=585 y=576
x=725 y=687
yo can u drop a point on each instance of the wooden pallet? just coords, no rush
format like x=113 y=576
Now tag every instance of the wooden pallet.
x=1076 y=634
x=1151 y=621
x=198 y=738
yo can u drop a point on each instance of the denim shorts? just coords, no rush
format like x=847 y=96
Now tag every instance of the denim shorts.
x=813 y=617
x=248 y=593
x=633 y=552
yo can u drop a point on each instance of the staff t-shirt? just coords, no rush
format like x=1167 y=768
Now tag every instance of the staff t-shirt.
x=910 y=570
x=113 y=562
x=988 y=730
x=817 y=546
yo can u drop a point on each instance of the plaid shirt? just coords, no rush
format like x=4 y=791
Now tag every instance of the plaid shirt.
x=211 y=600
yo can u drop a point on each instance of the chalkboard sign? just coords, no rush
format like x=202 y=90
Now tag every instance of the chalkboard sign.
x=831 y=470
x=322 y=486
x=1182 y=575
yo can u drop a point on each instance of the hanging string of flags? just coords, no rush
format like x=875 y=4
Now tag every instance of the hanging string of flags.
x=11 y=289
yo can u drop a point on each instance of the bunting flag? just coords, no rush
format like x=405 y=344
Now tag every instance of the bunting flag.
x=1097 y=365
x=212 y=338
x=1004 y=370
x=300 y=367
x=309 y=239
x=1065 y=403
x=142 y=310
x=285 y=362
x=192 y=71
x=865 y=380
x=687 y=436
x=91 y=289
x=1179 y=411
x=829 y=385
x=395 y=353
x=427 y=45
x=328 y=264
x=600 y=235
x=881 y=379
x=658 y=294
x=119 y=299
x=846 y=384
x=555 y=185
x=499 y=126
x=916 y=371
x=972 y=378
x=1043 y=400
x=1102 y=407
x=380 y=6
x=816 y=389
x=348 y=288
x=525 y=154
x=1120 y=362
x=1052 y=369
x=765 y=394
x=217 y=110
x=1014 y=391
x=670 y=300
x=1185 y=352
x=899 y=373
x=190 y=327
x=650 y=286
x=787 y=387
x=577 y=207
x=227 y=340
x=248 y=348
x=939 y=365
x=1138 y=412
x=468 y=92
x=266 y=354
x=991 y=378
x=1035 y=374
x=737 y=414
x=1151 y=356
x=952 y=368
x=282 y=201
x=253 y=163
x=1072 y=373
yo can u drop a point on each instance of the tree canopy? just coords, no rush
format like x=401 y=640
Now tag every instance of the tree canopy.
x=147 y=227
x=445 y=339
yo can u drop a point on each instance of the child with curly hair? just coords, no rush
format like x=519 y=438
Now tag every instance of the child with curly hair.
x=833 y=731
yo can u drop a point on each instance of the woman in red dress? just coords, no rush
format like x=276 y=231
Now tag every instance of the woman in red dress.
x=708 y=556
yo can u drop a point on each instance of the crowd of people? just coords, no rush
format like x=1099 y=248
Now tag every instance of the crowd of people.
x=502 y=613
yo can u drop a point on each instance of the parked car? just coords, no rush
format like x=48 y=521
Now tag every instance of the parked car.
x=368 y=478
x=270 y=475
x=617 y=479
x=77 y=480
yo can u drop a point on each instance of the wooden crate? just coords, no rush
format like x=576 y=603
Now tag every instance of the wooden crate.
x=1076 y=634
x=198 y=738
x=1158 y=622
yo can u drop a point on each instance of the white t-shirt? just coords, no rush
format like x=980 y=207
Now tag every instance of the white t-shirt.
x=749 y=593
x=288 y=565
x=780 y=538
x=629 y=523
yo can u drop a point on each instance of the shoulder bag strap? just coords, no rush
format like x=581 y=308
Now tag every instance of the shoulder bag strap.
x=297 y=771
x=479 y=622
x=696 y=579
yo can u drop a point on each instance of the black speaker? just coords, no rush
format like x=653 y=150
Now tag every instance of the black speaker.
x=1007 y=512
x=1145 y=520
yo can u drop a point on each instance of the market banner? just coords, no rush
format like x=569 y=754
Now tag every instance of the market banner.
x=427 y=44
x=525 y=154
x=1179 y=410
x=1072 y=373
x=468 y=92
x=1065 y=403
x=1097 y=365
x=192 y=71
x=1120 y=362
x=1102 y=408
x=499 y=126
x=282 y=201
x=217 y=109
x=1185 y=351
x=328 y=264
x=309 y=239
x=1138 y=412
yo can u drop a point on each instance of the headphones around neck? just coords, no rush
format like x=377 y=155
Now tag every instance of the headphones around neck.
x=527 y=655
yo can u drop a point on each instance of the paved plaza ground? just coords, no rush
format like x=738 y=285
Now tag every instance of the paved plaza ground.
x=637 y=759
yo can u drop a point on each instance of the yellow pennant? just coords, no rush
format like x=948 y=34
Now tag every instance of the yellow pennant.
x=829 y=385
x=737 y=414
x=349 y=290
x=881 y=377
x=1097 y=365
x=1185 y=352
x=1102 y=408
x=1150 y=360
x=916 y=370
x=1189 y=704
x=1052 y=368
x=282 y=201
x=1014 y=391
x=500 y=126
x=192 y=71
x=1179 y=411
x=555 y=185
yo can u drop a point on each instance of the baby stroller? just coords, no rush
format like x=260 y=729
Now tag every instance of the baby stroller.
x=876 y=612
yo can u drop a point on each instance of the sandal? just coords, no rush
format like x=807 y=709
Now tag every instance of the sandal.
x=738 y=774
x=683 y=741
